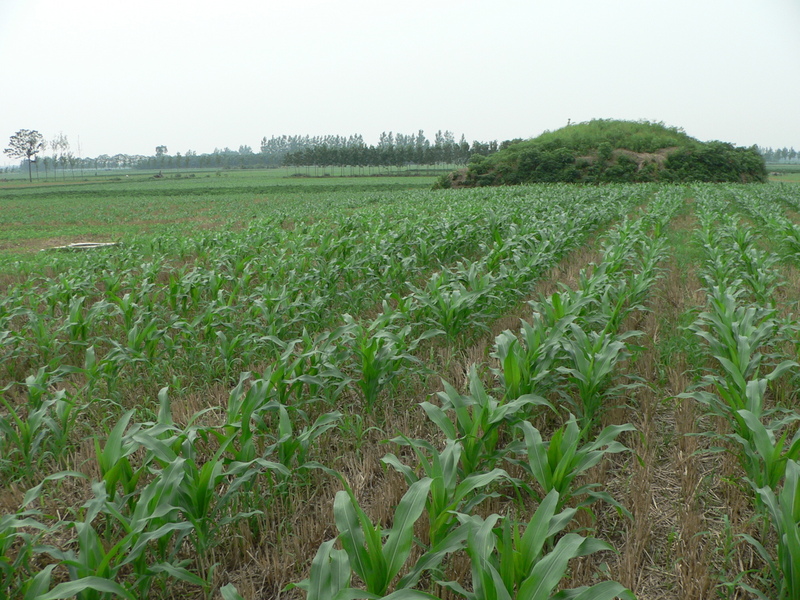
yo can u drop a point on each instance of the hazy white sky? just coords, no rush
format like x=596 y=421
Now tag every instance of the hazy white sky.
x=124 y=77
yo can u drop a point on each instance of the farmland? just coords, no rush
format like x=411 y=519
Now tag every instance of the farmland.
x=303 y=388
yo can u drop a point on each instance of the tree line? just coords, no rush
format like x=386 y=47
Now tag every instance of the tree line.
x=55 y=158
x=779 y=155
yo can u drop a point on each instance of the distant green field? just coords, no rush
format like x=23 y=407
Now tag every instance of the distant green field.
x=784 y=167
x=115 y=207
x=784 y=172
x=90 y=175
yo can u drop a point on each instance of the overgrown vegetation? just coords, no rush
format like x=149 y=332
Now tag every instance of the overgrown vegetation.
x=609 y=151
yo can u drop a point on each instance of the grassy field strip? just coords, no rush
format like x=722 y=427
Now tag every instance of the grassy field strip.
x=738 y=326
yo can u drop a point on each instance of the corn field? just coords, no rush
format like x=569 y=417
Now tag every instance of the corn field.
x=530 y=393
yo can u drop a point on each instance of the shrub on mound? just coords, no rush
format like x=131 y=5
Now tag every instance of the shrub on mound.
x=607 y=151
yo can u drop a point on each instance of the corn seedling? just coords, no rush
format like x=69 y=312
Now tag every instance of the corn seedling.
x=447 y=304
x=735 y=335
x=526 y=365
x=763 y=455
x=113 y=458
x=565 y=306
x=380 y=355
x=18 y=534
x=376 y=562
x=554 y=465
x=449 y=493
x=510 y=565
x=476 y=421
x=592 y=358
x=41 y=433
x=292 y=448
x=784 y=510
x=98 y=566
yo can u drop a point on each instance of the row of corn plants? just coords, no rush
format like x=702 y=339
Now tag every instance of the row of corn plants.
x=486 y=435
x=771 y=208
x=744 y=335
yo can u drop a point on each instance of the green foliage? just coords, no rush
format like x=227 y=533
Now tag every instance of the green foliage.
x=784 y=511
x=450 y=493
x=554 y=465
x=716 y=162
x=636 y=136
x=376 y=562
x=603 y=151
x=592 y=358
x=525 y=365
x=476 y=421
x=508 y=564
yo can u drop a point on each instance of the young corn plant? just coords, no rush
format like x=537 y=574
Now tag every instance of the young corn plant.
x=508 y=564
x=320 y=372
x=477 y=420
x=763 y=455
x=592 y=359
x=255 y=437
x=735 y=335
x=210 y=496
x=18 y=536
x=376 y=562
x=381 y=354
x=291 y=448
x=242 y=408
x=447 y=304
x=449 y=494
x=234 y=353
x=47 y=347
x=113 y=459
x=760 y=275
x=308 y=368
x=37 y=431
x=555 y=465
x=784 y=510
x=128 y=564
x=330 y=575
x=526 y=365
x=93 y=568
x=563 y=306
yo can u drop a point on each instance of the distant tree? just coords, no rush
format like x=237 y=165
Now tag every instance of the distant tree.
x=61 y=153
x=26 y=143
x=463 y=150
x=55 y=146
x=161 y=151
x=46 y=160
